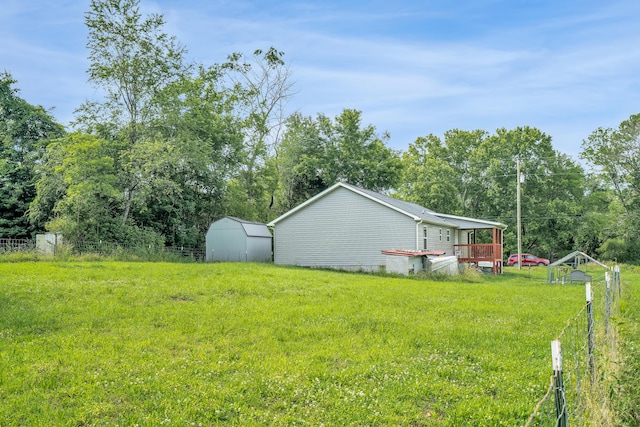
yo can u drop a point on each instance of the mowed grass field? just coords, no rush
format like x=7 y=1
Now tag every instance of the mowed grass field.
x=150 y=344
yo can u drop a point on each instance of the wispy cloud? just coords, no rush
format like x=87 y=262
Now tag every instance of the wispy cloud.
x=413 y=68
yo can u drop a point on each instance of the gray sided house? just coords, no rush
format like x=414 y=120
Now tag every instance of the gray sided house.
x=234 y=239
x=347 y=227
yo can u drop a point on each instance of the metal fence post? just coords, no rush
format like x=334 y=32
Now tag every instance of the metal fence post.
x=590 y=332
x=558 y=385
x=607 y=307
x=616 y=278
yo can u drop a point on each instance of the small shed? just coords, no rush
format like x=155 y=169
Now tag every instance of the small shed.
x=233 y=239
x=48 y=243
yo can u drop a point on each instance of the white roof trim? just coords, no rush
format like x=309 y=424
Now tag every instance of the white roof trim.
x=329 y=190
x=302 y=205
x=481 y=221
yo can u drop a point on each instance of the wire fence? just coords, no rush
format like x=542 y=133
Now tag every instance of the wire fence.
x=16 y=245
x=577 y=392
x=145 y=251
x=104 y=248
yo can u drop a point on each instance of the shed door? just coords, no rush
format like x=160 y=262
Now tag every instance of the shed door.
x=229 y=245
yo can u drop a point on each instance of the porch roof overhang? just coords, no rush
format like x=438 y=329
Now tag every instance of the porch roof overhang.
x=464 y=223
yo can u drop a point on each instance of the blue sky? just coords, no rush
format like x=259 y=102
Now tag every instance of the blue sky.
x=412 y=67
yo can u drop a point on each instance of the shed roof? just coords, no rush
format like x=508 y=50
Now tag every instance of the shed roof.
x=415 y=211
x=252 y=229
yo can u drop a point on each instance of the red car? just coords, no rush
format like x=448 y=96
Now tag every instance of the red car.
x=527 y=259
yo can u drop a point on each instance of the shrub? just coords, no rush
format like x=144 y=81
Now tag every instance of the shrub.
x=620 y=250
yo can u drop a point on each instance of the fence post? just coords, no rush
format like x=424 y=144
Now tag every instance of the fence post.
x=616 y=278
x=607 y=307
x=590 y=332
x=558 y=384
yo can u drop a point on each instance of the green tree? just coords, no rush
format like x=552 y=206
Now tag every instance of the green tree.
x=263 y=87
x=317 y=153
x=306 y=165
x=426 y=178
x=90 y=198
x=602 y=216
x=131 y=60
x=363 y=156
x=25 y=130
x=442 y=175
x=551 y=192
x=474 y=174
x=616 y=153
x=197 y=153
x=555 y=206
x=190 y=144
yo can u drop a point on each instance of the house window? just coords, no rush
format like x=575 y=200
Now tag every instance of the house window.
x=440 y=235
x=448 y=235
x=424 y=237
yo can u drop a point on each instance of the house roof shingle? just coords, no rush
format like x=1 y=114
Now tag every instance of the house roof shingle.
x=417 y=212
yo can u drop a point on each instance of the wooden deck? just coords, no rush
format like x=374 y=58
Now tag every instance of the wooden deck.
x=481 y=253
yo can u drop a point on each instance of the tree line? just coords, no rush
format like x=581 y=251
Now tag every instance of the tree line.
x=173 y=146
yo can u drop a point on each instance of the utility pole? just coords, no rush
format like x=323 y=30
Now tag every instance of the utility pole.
x=518 y=215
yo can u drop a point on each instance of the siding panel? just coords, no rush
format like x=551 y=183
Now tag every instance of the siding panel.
x=441 y=245
x=342 y=230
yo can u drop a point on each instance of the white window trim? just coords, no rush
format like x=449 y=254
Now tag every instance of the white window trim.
x=425 y=240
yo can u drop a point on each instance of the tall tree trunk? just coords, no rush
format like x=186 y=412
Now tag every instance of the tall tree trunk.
x=127 y=208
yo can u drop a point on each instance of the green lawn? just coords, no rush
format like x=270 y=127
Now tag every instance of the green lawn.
x=628 y=387
x=106 y=343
